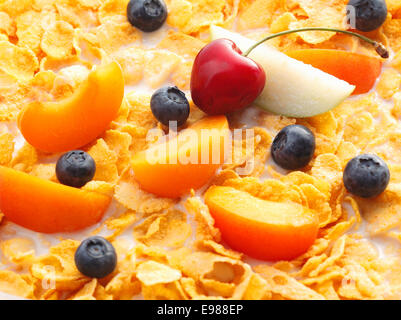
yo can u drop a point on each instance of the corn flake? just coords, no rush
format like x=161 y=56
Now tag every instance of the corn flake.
x=181 y=77
x=100 y=187
x=77 y=16
x=260 y=13
x=57 y=41
x=204 y=14
x=283 y=285
x=132 y=197
x=181 y=44
x=205 y=229
x=120 y=143
x=392 y=29
x=23 y=61
x=14 y=284
x=124 y=285
x=59 y=267
x=180 y=13
x=6 y=148
x=139 y=112
x=159 y=66
x=168 y=229
x=282 y=22
x=6 y=25
x=87 y=292
x=106 y=162
x=360 y=129
x=45 y=171
x=212 y=246
x=151 y=273
x=208 y=266
x=113 y=9
x=164 y=291
x=20 y=251
x=15 y=7
x=25 y=158
x=132 y=61
x=257 y=289
x=327 y=167
x=389 y=83
x=320 y=13
x=112 y=35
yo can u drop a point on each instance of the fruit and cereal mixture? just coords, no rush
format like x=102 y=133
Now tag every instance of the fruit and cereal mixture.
x=76 y=105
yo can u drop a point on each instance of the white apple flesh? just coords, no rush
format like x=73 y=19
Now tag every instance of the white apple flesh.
x=292 y=89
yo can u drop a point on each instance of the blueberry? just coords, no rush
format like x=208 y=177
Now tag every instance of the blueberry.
x=170 y=104
x=293 y=147
x=366 y=176
x=147 y=15
x=96 y=257
x=368 y=15
x=75 y=168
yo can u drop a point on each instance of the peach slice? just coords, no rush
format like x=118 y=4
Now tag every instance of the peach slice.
x=259 y=228
x=77 y=120
x=48 y=207
x=188 y=161
x=357 y=69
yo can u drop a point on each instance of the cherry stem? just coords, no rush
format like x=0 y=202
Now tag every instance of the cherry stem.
x=380 y=48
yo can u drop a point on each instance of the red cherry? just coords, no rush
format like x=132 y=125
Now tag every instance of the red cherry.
x=223 y=80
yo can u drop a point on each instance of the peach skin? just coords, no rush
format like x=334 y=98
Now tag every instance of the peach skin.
x=259 y=228
x=48 y=207
x=165 y=170
x=357 y=69
x=77 y=120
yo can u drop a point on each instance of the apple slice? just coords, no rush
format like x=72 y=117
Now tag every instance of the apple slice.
x=293 y=89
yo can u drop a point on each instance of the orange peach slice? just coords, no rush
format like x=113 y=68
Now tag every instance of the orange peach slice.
x=77 y=120
x=48 y=207
x=187 y=161
x=357 y=69
x=262 y=229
